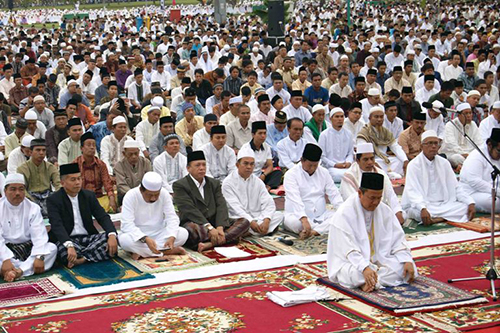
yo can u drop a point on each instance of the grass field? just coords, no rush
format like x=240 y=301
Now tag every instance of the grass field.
x=116 y=5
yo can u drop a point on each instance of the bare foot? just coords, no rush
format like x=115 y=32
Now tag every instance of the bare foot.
x=176 y=250
x=437 y=220
x=303 y=235
x=12 y=275
x=314 y=233
x=204 y=246
x=135 y=256
x=366 y=288
x=79 y=261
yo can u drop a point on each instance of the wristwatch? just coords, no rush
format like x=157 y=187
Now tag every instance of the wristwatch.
x=68 y=244
x=40 y=257
x=143 y=239
x=208 y=226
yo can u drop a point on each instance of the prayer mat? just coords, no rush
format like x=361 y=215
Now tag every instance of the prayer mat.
x=175 y=262
x=32 y=290
x=96 y=274
x=480 y=224
x=302 y=247
x=422 y=295
x=256 y=251
x=398 y=185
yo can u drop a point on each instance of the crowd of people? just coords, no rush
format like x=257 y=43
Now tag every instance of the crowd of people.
x=187 y=127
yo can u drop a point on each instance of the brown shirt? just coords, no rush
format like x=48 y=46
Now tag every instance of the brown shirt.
x=95 y=176
x=410 y=142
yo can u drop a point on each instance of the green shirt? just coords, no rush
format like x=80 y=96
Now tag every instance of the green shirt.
x=68 y=151
x=39 y=178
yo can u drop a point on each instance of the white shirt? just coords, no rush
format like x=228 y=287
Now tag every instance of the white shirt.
x=226 y=118
x=353 y=128
x=16 y=158
x=290 y=152
x=452 y=72
x=342 y=92
x=210 y=103
x=163 y=78
x=475 y=175
x=133 y=94
x=261 y=156
x=301 y=113
x=145 y=132
x=200 y=187
x=78 y=229
x=396 y=127
x=200 y=137
x=454 y=140
x=6 y=86
x=141 y=218
x=337 y=146
x=170 y=169
x=220 y=163
x=366 y=107
x=485 y=127
x=423 y=94
x=285 y=95
x=436 y=124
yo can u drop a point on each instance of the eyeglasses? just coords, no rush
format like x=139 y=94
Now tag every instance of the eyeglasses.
x=432 y=143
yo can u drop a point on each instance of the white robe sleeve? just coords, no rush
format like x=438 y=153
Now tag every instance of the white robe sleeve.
x=471 y=174
x=292 y=191
x=128 y=217
x=323 y=143
x=230 y=192
x=398 y=151
x=399 y=246
x=139 y=135
x=170 y=217
x=284 y=156
x=268 y=207
x=38 y=232
x=160 y=168
x=106 y=153
x=332 y=192
x=5 y=252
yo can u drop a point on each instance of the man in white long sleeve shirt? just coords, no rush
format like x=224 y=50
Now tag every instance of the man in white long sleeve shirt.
x=306 y=185
x=434 y=119
x=148 y=129
x=112 y=145
x=366 y=244
x=247 y=197
x=20 y=154
x=490 y=122
x=171 y=164
x=295 y=108
x=475 y=176
x=24 y=243
x=221 y=159
x=137 y=90
x=431 y=192
x=382 y=139
x=453 y=70
x=162 y=76
x=353 y=123
x=372 y=100
x=365 y=162
x=290 y=148
x=423 y=94
x=337 y=145
x=455 y=145
x=391 y=121
x=202 y=136
x=149 y=225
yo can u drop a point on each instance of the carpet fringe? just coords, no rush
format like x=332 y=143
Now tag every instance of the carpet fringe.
x=64 y=286
x=441 y=306
x=435 y=323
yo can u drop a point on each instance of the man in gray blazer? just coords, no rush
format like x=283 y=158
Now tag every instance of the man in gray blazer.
x=203 y=209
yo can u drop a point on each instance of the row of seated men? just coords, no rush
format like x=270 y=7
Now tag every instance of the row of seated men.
x=209 y=214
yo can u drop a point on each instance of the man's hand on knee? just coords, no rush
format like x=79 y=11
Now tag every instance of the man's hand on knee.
x=409 y=272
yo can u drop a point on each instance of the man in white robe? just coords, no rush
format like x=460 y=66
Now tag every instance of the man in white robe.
x=290 y=148
x=295 y=108
x=431 y=192
x=490 y=122
x=382 y=139
x=306 y=185
x=112 y=145
x=171 y=164
x=366 y=244
x=353 y=123
x=434 y=119
x=24 y=243
x=20 y=154
x=221 y=159
x=149 y=224
x=455 y=146
x=365 y=162
x=337 y=145
x=247 y=197
x=371 y=101
x=391 y=121
x=475 y=176
x=148 y=129
x=202 y=136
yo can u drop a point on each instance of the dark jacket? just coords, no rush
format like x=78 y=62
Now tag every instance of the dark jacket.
x=62 y=220
x=193 y=208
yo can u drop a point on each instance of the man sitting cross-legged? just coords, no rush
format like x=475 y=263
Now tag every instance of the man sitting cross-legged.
x=150 y=226
x=203 y=209
x=366 y=244
x=71 y=212
x=247 y=196
x=24 y=244
x=431 y=192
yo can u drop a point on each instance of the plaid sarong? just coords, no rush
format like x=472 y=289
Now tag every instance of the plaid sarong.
x=40 y=198
x=21 y=251
x=91 y=247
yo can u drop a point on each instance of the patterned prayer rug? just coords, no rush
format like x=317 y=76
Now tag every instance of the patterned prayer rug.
x=480 y=224
x=32 y=290
x=256 y=251
x=310 y=246
x=422 y=295
x=102 y=273
x=175 y=262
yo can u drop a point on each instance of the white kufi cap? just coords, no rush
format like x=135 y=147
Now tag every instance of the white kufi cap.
x=246 y=153
x=463 y=106
x=30 y=115
x=336 y=110
x=157 y=101
x=318 y=107
x=26 y=141
x=119 y=120
x=131 y=143
x=365 y=147
x=152 y=181
x=14 y=178
x=429 y=134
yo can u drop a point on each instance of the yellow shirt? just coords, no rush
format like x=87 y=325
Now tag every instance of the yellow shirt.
x=182 y=131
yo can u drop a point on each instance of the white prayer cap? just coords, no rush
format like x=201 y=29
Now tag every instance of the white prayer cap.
x=463 y=106
x=235 y=100
x=496 y=105
x=473 y=93
x=437 y=104
x=119 y=120
x=246 y=153
x=70 y=82
x=14 y=178
x=255 y=49
x=227 y=47
x=375 y=109
x=152 y=181
x=375 y=50
x=335 y=110
x=318 y=107
x=204 y=49
x=157 y=101
x=496 y=46
x=429 y=134
x=373 y=92
x=296 y=42
x=410 y=52
x=61 y=60
x=26 y=141
x=363 y=148
x=38 y=98
x=348 y=50
x=30 y=115
x=344 y=57
x=153 y=108
x=131 y=143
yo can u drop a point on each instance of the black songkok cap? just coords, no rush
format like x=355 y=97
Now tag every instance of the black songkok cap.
x=495 y=135
x=67 y=169
x=372 y=181
x=429 y=77
x=407 y=90
x=312 y=152
x=419 y=116
x=263 y=98
x=371 y=71
x=335 y=100
x=296 y=93
x=166 y=119
x=196 y=156
x=218 y=129
x=74 y=122
x=258 y=125
x=275 y=99
x=38 y=143
x=397 y=69
x=86 y=136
